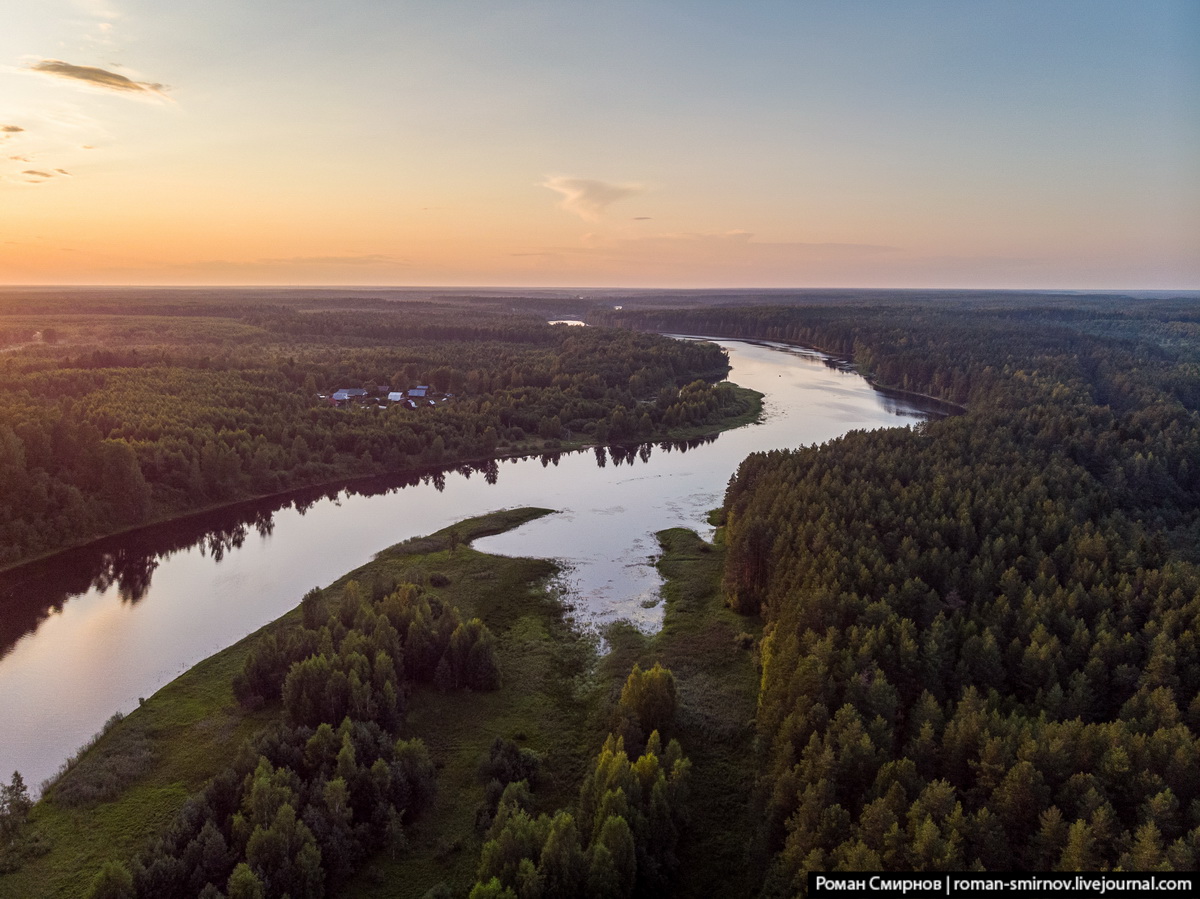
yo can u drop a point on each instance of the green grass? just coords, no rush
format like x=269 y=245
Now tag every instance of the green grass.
x=556 y=697
x=192 y=726
x=549 y=701
x=705 y=646
x=709 y=650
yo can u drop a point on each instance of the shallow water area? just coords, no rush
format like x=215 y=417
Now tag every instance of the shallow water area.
x=612 y=512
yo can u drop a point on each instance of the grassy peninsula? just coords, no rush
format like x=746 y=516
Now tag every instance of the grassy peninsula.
x=555 y=699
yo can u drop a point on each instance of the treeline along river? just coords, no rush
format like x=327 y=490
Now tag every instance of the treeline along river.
x=85 y=633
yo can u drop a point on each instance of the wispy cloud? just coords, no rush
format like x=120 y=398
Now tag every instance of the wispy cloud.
x=99 y=78
x=11 y=129
x=368 y=259
x=587 y=197
x=36 y=176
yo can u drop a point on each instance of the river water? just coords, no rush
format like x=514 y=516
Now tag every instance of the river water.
x=88 y=632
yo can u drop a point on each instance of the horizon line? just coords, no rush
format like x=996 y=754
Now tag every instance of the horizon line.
x=574 y=288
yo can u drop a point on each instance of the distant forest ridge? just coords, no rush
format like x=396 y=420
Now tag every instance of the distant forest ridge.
x=24 y=300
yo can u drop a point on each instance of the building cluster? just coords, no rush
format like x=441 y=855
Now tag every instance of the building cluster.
x=413 y=398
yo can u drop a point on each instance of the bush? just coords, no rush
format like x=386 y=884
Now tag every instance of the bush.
x=648 y=698
x=507 y=763
x=112 y=881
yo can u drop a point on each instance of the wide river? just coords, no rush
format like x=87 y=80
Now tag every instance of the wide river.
x=88 y=632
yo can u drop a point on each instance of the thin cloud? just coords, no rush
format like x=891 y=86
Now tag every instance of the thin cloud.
x=11 y=129
x=641 y=218
x=587 y=197
x=63 y=172
x=38 y=174
x=96 y=77
x=265 y=264
x=369 y=259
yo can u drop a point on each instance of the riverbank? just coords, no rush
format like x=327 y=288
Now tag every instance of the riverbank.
x=179 y=738
x=555 y=698
x=13 y=573
x=844 y=362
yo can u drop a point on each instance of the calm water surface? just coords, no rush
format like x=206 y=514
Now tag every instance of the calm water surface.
x=87 y=633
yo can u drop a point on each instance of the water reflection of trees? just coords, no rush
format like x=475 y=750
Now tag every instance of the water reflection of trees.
x=900 y=402
x=28 y=595
x=130 y=572
x=643 y=452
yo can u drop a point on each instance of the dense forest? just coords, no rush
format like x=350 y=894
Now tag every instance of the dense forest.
x=621 y=840
x=982 y=634
x=116 y=416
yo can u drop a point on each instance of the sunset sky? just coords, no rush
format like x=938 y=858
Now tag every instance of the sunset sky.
x=1035 y=144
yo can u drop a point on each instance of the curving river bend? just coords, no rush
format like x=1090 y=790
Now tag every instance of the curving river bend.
x=86 y=633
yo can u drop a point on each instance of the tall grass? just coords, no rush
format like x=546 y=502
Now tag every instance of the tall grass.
x=101 y=768
x=75 y=758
